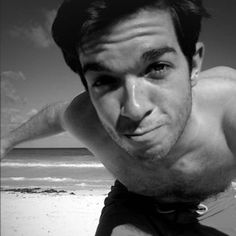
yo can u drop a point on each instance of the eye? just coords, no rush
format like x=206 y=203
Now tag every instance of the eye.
x=157 y=69
x=105 y=81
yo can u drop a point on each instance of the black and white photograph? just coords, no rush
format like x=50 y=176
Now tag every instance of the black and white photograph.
x=118 y=118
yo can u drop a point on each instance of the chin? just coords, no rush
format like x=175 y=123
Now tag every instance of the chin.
x=156 y=149
x=151 y=154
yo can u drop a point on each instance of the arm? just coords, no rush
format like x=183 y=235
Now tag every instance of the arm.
x=128 y=229
x=230 y=126
x=229 y=118
x=221 y=91
x=49 y=121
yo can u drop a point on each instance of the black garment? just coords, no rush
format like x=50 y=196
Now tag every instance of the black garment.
x=124 y=207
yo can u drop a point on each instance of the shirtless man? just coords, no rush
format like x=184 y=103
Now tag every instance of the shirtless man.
x=163 y=128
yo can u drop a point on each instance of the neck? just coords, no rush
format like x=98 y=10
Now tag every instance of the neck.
x=187 y=141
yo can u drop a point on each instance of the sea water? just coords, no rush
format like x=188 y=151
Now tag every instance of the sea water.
x=56 y=168
x=60 y=168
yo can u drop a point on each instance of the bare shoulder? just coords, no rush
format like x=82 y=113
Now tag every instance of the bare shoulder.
x=214 y=96
x=82 y=101
x=81 y=116
x=216 y=85
x=220 y=72
x=128 y=229
x=81 y=108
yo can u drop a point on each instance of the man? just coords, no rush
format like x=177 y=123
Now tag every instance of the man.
x=165 y=130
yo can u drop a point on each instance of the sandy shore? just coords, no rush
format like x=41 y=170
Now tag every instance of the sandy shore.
x=39 y=214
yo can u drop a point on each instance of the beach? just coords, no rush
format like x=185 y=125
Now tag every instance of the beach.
x=51 y=213
x=41 y=212
x=61 y=192
x=52 y=191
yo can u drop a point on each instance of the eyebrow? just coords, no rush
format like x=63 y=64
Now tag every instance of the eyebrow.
x=155 y=53
x=94 y=66
x=149 y=55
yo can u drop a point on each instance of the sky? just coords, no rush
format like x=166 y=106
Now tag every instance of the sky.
x=34 y=74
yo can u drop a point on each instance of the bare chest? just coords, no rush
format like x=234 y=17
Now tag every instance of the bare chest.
x=205 y=171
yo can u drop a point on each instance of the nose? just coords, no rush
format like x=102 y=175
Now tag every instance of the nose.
x=135 y=103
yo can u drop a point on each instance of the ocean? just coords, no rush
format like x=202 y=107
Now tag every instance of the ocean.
x=66 y=169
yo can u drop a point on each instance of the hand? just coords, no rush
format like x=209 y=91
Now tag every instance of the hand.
x=5 y=147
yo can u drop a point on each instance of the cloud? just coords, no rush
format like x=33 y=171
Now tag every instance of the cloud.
x=64 y=134
x=49 y=18
x=10 y=119
x=11 y=101
x=37 y=33
x=32 y=112
x=13 y=75
x=9 y=95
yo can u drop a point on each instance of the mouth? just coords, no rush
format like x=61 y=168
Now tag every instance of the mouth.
x=143 y=136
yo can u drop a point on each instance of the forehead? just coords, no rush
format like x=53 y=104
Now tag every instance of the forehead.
x=144 y=30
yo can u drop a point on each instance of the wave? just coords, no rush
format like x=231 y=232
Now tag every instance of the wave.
x=49 y=165
x=234 y=185
x=53 y=179
x=44 y=179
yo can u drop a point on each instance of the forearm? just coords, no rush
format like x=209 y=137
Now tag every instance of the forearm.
x=45 y=123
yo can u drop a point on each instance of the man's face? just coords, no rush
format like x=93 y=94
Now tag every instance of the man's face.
x=138 y=81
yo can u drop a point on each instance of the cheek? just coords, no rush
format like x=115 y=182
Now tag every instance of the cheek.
x=182 y=106
x=177 y=100
x=181 y=86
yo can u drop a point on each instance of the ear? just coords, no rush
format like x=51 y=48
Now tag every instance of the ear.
x=197 y=62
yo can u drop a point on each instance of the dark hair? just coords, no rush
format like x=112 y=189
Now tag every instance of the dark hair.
x=76 y=19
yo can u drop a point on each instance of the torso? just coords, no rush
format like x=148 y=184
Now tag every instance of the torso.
x=207 y=166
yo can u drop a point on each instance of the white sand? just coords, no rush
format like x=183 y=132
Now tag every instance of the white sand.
x=39 y=214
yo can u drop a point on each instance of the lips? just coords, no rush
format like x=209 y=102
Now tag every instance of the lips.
x=142 y=136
